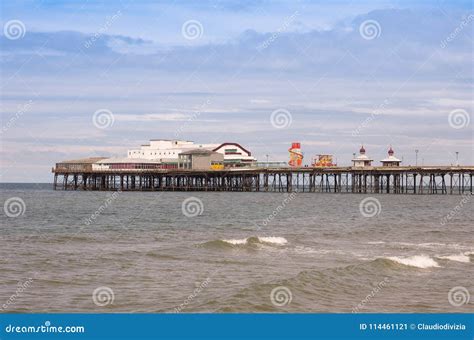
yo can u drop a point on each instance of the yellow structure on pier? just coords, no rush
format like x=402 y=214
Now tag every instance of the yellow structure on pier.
x=323 y=161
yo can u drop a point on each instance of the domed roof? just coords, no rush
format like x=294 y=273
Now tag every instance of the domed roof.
x=391 y=158
x=362 y=150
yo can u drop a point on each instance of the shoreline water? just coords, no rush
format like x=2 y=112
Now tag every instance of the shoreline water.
x=153 y=255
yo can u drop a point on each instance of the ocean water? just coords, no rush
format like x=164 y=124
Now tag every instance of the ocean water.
x=234 y=252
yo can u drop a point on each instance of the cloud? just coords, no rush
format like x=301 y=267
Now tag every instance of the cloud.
x=402 y=48
x=64 y=43
x=331 y=80
x=160 y=117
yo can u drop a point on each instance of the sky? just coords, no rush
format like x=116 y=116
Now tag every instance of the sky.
x=96 y=78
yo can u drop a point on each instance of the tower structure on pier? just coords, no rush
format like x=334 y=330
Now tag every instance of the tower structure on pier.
x=391 y=160
x=362 y=160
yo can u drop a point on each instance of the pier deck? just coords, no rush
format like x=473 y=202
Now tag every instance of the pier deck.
x=381 y=180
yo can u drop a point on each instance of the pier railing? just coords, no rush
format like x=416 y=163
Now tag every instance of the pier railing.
x=388 y=180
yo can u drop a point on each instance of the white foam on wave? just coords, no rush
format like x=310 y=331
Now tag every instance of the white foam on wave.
x=309 y=250
x=376 y=242
x=236 y=242
x=422 y=245
x=455 y=246
x=263 y=239
x=435 y=244
x=458 y=258
x=419 y=261
x=273 y=239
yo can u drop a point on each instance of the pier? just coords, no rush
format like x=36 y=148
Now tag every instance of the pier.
x=443 y=180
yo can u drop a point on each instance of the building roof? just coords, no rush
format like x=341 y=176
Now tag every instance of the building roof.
x=235 y=144
x=170 y=140
x=89 y=160
x=362 y=158
x=390 y=159
x=198 y=152
x=128 y=160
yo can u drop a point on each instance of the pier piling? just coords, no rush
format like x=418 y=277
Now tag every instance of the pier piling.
x=374 y=180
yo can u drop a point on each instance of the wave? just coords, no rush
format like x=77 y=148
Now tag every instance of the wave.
x=235 y=242
x=308 y=250
x=428 y=245
x=66 y=238
x=436 y=244
x=162 y=256
x=317 y=289
x=273 y=240
x=258 y=239
x=249 y=241
x=418 y=261
x=458 y=258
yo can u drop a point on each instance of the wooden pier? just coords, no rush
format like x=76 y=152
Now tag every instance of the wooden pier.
x=374 y=180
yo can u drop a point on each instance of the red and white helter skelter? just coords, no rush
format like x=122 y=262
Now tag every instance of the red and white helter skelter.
x=296 y=155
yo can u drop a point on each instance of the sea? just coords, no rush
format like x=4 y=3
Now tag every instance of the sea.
x=233 y=252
